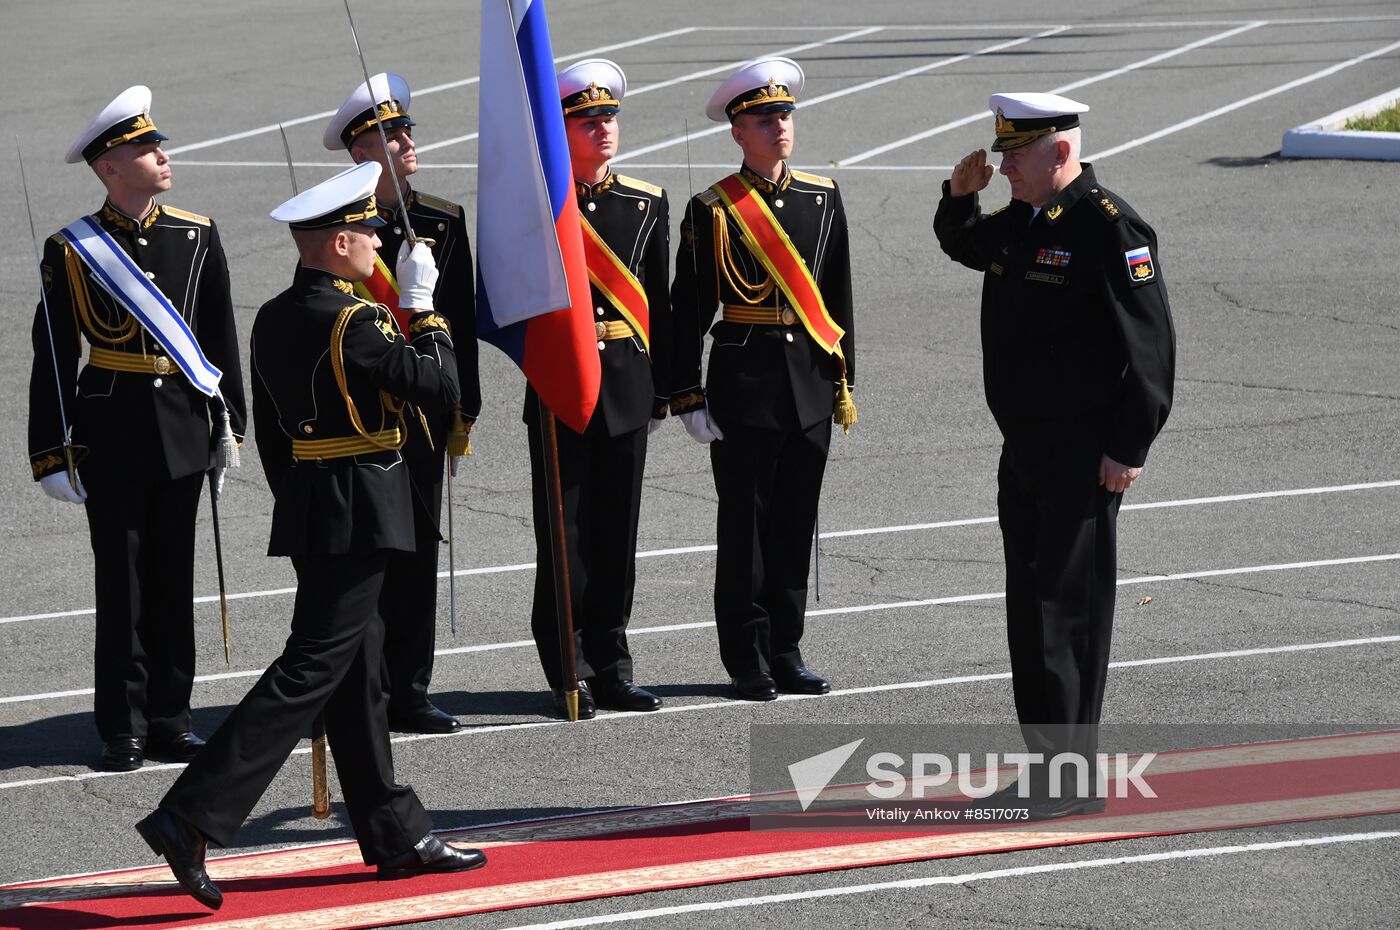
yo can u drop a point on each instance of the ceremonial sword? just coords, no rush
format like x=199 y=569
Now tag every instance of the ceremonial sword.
x=320 y=777
x=53 y=349
x=412 y=241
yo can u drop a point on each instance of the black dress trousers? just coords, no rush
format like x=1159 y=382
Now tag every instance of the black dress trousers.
x=601 y=479
x=769 y=485
x=331 y=662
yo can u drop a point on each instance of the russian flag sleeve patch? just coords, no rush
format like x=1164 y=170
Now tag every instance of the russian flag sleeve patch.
x=1140 y=267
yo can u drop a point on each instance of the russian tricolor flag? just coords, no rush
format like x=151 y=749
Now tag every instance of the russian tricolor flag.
x=533 y=298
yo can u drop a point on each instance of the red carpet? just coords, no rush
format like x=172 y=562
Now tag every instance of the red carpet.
x=649 y=849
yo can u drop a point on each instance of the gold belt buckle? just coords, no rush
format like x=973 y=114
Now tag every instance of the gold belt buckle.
x=601 y=329
x=789 y=316
x=162 y=365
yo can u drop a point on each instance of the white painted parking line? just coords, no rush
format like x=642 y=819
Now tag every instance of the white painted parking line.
x=836 y=534
x=808 y=103
x=964 y=878
x=1243 y=102
x=735 y=704
x=1083 y=82
x=423 y=92
x=823 y=612
x=865 y=31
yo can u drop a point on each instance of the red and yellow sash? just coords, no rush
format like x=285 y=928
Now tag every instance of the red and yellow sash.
x=382 y=288
x=768 y=241
x=610 y=275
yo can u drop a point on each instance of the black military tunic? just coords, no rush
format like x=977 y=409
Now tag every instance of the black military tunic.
x=1078 y=362
x=771 y=389
x=145 y=443
x=601 y=469
x=410 y=588
x=327 y=369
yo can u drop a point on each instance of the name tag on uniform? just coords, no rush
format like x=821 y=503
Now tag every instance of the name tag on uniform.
x=1047 y=278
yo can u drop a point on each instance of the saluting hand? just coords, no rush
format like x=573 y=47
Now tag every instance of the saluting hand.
x=971 y=174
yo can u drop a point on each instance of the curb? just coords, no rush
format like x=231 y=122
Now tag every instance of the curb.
x=1325 y=138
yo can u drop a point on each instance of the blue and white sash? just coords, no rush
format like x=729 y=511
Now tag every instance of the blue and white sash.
x=130 y=287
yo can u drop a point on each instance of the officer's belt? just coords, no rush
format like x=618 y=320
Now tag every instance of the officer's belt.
x=760 y=316
x=342 y=446
x=130 y=361
x=607 y=330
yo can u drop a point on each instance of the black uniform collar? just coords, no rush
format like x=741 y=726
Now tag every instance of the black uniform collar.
x=319 y=277
x=119 y=219
x=1075 y=191
x=763 y=184
x=584 y=189
x=387 y=213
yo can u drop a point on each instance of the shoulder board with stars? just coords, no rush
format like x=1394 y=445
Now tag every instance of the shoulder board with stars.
x=813 y=178
x=635 y=184
x=437 y=203
x=1107 y=207
x=185 y=215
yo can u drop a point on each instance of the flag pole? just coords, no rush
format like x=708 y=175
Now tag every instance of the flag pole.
x=563 y=600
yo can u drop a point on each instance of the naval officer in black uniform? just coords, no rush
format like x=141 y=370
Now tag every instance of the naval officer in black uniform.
x=1078 y=361
x=601 y=469
x=139 y=428
x=782 y=362
x=411 y=583
x=332 y=380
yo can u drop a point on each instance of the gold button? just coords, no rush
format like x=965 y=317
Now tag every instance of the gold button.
x=819 y=198
x=397 y=231
x=442 y=227
x=156 y=383
x=592 y=206
x=189 y=234
x=602 y=346
x=789 y=316
x=306 y=429
x=142 y=242
x=601 y=328
x=778 y=202
x=162 y=365
x=789 y=337
x=642 y=205
x=600 y=311
x=151 y=275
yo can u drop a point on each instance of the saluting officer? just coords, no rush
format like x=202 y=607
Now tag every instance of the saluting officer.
x=411 y=583
x=1078 y=359
x=769 y=245
x=333 y=377
x=145 y=414
x=626 y=233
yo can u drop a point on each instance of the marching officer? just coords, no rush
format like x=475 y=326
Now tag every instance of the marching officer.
x=767 y=244
x=626 y=234
x=1078 y=360
x=158 y=404
x=333 y=378
x=411 y=583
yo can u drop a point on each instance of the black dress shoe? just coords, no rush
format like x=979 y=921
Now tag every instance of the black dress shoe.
x=182 y=747
x=425 y=719
x=798 y=680
x=123 y=754
x=623 y=694
x=1055 y=808
x=755 y=686
x=587 y=710
x=431 y=855
x=183 y=848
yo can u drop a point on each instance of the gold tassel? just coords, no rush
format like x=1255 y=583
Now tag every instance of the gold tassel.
x=845 y=414
x=459 y=441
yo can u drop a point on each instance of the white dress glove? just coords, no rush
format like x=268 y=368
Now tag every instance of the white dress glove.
x=60 y=488
x=701 y=426
x=417 y=274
